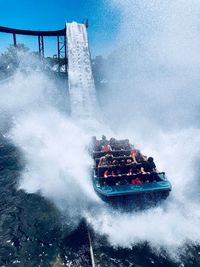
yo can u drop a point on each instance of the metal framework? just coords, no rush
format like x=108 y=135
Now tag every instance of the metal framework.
x=62 y=51
x=61 y=41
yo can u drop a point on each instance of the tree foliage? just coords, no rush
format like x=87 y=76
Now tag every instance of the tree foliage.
x=9 y=60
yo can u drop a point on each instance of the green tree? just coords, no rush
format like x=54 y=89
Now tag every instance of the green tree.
x=9 y=60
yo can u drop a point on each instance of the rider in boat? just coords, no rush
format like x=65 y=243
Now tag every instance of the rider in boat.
x=105 y=160
x=106 y=147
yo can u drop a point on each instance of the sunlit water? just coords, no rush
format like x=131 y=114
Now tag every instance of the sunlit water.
x=45 y=170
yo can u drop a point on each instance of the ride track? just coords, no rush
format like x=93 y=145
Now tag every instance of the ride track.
x=61 y=41
x=33 y=33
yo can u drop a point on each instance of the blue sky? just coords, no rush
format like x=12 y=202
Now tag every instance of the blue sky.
x=51 y=15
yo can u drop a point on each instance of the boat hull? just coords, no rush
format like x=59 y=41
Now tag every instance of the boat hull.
x=137 y=195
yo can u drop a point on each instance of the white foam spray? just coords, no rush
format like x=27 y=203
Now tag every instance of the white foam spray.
x=54 y=148
x=174 y=223
x=155 y=87
x=81 y=82
x=57 y=162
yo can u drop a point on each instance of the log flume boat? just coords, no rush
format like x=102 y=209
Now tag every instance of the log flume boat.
x=123 y=175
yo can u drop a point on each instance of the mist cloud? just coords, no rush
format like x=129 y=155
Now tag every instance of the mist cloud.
x=152 y=98
x=157 y=64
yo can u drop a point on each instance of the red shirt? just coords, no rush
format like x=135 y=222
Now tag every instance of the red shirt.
x=133 y=152
x=106 y=148
x=137 y=181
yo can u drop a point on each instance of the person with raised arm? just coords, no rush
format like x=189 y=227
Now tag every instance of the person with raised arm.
x=105 y=160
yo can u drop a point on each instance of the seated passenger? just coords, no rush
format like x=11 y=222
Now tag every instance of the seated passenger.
x=108 y=172
x=106 y=147
x=123 y=167
x=148 y=170
x=127 y=144
x=103 y=140
x=105 y=160
x=113 y=143
x=148 y=166
x=115 y=163
x=129 y=162
x=145 y=168
x=134 y=168
x=152 y=165
x=139 y=157
x=133 y=154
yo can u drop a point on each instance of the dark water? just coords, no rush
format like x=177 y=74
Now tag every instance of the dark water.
x=34 y=233
x=139 y=256
x=32 y=230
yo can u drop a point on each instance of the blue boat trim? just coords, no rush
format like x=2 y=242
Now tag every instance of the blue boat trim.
x=129 y=189
x=121 y=173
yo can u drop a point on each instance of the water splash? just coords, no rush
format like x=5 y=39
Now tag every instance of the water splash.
x=47 y=140
x=81 y=82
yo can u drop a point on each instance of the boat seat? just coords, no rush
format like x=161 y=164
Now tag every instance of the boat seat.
x=115 y=167
x=114 y=158
x=112 y=180
x=100 y=170
x=115 y=153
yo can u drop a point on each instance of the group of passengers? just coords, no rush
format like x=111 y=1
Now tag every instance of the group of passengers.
x=135 y=165
x=105 y=145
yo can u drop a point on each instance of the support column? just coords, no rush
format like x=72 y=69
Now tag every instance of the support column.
x=58 y=44
x=62 y=52
x=14 y=39
x=41 y=46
